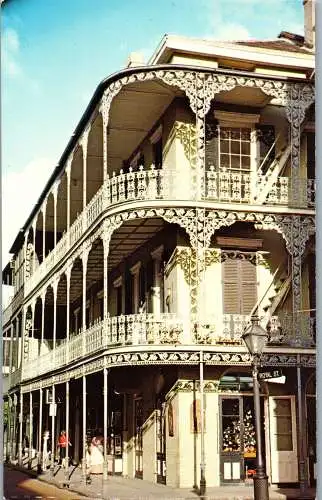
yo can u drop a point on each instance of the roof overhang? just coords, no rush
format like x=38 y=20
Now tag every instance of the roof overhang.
x=171 y=44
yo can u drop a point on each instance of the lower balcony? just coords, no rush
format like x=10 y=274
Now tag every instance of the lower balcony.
x=167 y=329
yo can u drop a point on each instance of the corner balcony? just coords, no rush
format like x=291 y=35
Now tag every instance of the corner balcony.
x=146 y=330
x=166 y=184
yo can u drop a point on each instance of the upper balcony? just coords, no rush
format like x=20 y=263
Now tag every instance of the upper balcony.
x=143 y=330
x=167 y=184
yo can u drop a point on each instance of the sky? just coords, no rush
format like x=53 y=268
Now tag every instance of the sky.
x=54 y=53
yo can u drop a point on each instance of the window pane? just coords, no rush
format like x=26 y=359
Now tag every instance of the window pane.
x=225 y=161
x=224 y=146
x=230 y=407
x=235 y=147
x=284 y=425
x=235 y=162
x=284 y=442
x=245 y=148
x=245 y=134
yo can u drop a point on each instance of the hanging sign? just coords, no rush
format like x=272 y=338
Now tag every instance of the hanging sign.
x=52 y=409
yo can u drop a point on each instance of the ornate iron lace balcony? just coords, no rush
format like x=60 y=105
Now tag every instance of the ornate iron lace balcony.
x=167 y=184
x=142 y=330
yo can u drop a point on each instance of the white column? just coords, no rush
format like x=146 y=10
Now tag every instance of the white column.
x=156 y=297
x=68 y=273
x=34 y=247
x=84 y=260
x=10 y=353
x=43 y=297
x=55 y=191
x=67 y=432
x=84 y=429
x=106 y=244
x=30 y=431
x=68 y=169
x=31 y=354
x=55 y=286
x=84 y=143
x=19 y=346
x=20 y=429
x=53 y=438
x=135 y=271
x=105 y=391
x=104 y=112
x=44 y=230
x=25 y=259
x=39 y=430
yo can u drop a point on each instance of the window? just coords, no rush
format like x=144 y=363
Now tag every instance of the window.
x=239 y=285
x=265 y=135
x=6 y=351
x=157 y=153
x=234 y=149
x=310 y=152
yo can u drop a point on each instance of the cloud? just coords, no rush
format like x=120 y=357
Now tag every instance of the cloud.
x=20 y=192
x=10 y=53
x=244 y=19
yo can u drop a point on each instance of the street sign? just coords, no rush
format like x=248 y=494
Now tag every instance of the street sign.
x=269 y=375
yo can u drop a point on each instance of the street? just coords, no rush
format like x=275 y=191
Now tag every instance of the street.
x=18 y=485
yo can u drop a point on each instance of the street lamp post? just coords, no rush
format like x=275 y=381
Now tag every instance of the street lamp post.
x=255 y=338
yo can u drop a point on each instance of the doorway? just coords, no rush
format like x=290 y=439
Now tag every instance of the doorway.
x=138 y=422
x=237 y=438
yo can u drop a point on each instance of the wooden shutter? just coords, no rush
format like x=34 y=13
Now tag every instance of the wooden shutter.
x=239 y=286
x=230 y=286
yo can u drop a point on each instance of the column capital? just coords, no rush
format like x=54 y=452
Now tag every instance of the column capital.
x=156 y=254
x=136 y=268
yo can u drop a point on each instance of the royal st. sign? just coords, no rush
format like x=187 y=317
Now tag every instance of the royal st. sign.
x=269 y=375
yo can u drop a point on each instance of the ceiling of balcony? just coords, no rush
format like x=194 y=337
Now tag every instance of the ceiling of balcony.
x=133 y=113
x=125 y=240
x=244 y=96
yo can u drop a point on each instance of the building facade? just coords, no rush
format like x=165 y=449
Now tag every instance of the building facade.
x=183 y=204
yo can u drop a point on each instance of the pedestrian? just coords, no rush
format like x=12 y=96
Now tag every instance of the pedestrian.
x=63 y=442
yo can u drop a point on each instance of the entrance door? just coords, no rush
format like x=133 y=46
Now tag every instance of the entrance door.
x=138 y=419
x=232 y=460
x=238 y=440
x=283 y=439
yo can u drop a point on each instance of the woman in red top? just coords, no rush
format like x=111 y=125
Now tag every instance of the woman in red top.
x=63 y=442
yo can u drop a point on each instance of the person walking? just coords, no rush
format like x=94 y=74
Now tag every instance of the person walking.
x=63 y=442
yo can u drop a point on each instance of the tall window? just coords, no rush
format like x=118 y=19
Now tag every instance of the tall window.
x=234 y=149
x=239 y=285
x=157 y=153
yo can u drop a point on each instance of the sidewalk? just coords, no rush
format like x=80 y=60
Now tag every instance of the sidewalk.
x=120 y=488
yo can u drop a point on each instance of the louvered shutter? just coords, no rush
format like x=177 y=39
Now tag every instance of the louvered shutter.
x=239 y=286
x=248 y=286
x=230 y=286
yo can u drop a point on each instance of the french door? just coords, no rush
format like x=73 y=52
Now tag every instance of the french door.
x=283 y=441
